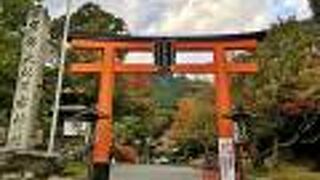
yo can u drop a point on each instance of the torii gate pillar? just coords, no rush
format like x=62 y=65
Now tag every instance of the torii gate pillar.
x=225 y=126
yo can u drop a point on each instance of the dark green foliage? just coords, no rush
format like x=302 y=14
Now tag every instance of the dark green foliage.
x=167 y=90
x=90 y=19
x=12 y=19
x=13 y=14
x=315 y=6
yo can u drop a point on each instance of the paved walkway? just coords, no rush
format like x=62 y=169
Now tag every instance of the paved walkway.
x=154 y=172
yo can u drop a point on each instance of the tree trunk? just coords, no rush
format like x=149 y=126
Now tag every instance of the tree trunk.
x=275 y=152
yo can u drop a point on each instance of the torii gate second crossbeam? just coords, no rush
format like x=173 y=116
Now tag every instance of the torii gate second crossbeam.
x=109 y=66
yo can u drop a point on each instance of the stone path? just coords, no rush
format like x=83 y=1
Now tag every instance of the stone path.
x=142 y=172
x=154 y=172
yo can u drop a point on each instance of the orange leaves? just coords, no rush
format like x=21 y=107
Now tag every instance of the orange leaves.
x=194 y=119
x=183 y=118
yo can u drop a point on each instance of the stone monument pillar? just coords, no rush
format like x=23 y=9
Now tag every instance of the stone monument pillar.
x=24 y=115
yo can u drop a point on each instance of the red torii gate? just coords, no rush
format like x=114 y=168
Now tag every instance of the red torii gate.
x=110 y=65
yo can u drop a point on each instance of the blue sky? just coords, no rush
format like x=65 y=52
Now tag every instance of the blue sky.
x=172 y=17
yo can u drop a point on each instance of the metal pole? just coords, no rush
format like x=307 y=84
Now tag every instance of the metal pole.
x=60 y=78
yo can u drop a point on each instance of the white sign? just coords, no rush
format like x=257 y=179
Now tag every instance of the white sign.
x=71 y=128
x=227 y=161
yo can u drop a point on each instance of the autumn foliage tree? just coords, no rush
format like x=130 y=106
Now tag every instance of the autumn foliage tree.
x=194 y=122
x=287 y=79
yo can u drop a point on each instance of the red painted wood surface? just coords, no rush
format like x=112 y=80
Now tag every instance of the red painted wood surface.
x=109 y=66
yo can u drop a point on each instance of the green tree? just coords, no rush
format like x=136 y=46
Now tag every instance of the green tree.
x=12 y=18
x=315 y=7
x=90 y=19
x=288 y=68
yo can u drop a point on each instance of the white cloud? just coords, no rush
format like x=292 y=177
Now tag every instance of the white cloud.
x=195 y=16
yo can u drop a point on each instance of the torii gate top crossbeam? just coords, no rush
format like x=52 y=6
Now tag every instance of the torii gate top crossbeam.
x=180 y=43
